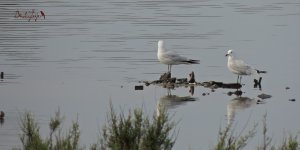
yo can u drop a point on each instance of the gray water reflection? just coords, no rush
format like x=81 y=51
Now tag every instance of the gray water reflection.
x=171 y=101
x=237 y=104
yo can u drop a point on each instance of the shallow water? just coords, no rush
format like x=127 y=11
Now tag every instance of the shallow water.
x=86 y=53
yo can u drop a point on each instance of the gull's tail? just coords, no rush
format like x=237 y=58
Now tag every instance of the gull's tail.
x=260 y=71
x=191 y=61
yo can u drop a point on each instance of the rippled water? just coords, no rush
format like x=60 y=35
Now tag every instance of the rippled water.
x=85 y=53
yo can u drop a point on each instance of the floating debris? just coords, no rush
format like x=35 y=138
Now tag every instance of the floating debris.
x=204 y=94
x=260 y=102
x=167 y=81
x=287 y=88
x=139 y=87
x=2 y=114
x=237 y=93
x=292 y=100
x=257 y=83
x=215 y=85
x=166 y=76
x=2 y=75
x=181 y=81
x=264 y=96
x=147 y=83
x=192 y=77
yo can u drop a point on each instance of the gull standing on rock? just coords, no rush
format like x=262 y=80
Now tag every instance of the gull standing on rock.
x=171 y=58
x=239 y=67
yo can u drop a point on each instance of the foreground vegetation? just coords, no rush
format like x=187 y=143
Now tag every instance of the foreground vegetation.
x=135 y=131
x=228 y=141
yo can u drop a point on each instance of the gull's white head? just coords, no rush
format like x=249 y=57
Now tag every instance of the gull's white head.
x=229 y=53
x=160 y=44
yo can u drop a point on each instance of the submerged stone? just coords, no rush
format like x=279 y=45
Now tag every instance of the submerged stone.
x=139 y=87
x=264 y=96
x=292 y=100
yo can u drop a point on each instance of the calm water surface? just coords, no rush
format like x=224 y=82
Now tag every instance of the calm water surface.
x=85 y=53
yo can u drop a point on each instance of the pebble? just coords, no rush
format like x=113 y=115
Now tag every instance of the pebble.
x=260 y=101
x=2 y=114
x=229 y=93
x=139 y=87
x=264 y=96
x=292 y=100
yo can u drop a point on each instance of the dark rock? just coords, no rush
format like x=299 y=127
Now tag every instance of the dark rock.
x=229 y=93
x=214 y=84
x=260 y=101
x=238 y=93
x=147 y=83
x=2 y=114
x=139 y=87
x=156 y=82
x=165 y=76
x=264 y=96
x=182 y=81
x=172 y=80
x=292 y=100
x=231 y=86
x=192 y=77
x=257 y=83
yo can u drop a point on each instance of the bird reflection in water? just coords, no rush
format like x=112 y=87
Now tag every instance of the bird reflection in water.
x=236 y=104
x=170 y=101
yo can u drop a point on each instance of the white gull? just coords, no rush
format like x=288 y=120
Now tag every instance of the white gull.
x=239 y=67
x=171 y=58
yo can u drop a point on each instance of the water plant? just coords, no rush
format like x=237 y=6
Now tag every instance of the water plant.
x=137 y=131
x=31 y=138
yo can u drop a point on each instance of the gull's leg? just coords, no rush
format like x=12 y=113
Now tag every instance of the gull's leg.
x=169 y=92
x=240 y=79
x=170 y=68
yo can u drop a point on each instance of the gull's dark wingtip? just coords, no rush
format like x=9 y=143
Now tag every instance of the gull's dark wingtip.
x=191 y=61
x=259 y=71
